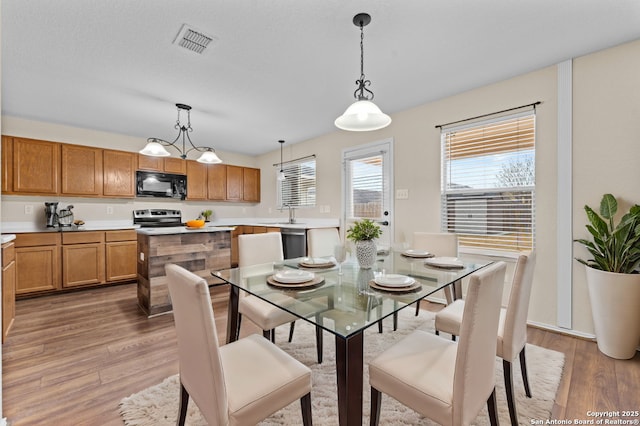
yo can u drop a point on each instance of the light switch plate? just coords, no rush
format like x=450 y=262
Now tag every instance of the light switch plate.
x=402 y=194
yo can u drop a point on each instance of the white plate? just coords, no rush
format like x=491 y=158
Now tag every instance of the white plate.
x=417 y=253
x=293 y=276
x=394 y=280
x=445 y=262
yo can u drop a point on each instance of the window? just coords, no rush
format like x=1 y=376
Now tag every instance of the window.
x=488 y=183
x=298 y=189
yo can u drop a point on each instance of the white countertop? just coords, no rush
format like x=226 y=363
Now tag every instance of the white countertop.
x=104 y=225
x=5 y=238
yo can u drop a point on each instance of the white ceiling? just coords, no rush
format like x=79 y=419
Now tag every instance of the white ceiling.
x=280 y=69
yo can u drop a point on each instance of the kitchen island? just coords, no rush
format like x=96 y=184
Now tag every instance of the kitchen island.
x=198 y=250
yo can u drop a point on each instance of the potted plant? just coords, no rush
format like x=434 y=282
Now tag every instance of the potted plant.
x=362 y=234
x=612 y=277
x=206 y=214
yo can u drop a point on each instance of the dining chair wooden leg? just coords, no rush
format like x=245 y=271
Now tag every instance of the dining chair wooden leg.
x=525 y=376
x=291 y=328
x=305 y=404
x=376 y=401
x=266 y=334
x=395 y=321
x=184 y=401
x=418 y=308
x=508 y=385
x=492 y=408
x=380 y=326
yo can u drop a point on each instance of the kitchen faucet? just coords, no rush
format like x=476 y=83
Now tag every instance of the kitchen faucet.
x=292 y=213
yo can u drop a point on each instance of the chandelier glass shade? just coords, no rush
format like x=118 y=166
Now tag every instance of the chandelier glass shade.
x=156 y=147
x=363 y=115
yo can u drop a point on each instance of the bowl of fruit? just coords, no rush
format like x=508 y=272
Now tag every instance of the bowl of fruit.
x=195 y=223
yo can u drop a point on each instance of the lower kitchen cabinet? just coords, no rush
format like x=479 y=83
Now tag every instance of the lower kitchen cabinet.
x=8 y=287
x=82 y=258
x=37 y=262
x=50 y=261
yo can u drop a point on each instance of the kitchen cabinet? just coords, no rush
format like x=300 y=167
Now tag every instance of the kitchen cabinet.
x=119 y=174
x=8 y=287
x=196 y=180
x=234 y=183
x=81 y=170
x=37 y=262
x=82 y=258
x=121 y=251
x=7 y=164
x=217 y=182
x=36 y=166
x=162 y=164
x=251 y=184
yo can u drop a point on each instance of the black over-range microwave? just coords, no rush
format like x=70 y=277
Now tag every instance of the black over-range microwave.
x=161 y=185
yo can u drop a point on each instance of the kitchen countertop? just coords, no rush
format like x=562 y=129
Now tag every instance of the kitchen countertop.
x=5 y=238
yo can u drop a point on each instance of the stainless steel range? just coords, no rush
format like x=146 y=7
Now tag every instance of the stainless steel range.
x=157 y=218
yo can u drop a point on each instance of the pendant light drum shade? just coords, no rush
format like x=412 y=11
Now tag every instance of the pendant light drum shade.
x=362 y=116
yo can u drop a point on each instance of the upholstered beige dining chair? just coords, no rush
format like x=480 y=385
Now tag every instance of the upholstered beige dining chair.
x=440 y=244
x=255 y=249
x=321 y=242
x=512 y=330
x=240 y=383
x=446 y=381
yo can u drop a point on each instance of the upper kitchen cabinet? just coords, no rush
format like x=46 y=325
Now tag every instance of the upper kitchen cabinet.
x=81 y=170
x=234 y=183
x=36 y=166
x=119 y=174
x=196 y=180
x=251 y=185
x=7 y=164
x=217 y=182
x=160 y=164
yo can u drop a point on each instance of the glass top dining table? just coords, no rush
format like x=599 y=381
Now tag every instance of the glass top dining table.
x=343 y=304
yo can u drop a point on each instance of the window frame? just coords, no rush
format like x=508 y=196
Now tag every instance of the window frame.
x=294 y=170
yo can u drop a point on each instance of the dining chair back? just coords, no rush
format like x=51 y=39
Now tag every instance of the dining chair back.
x=254 y=249
x=512 y=330
x=446 y=381
x=440 y=244
x=321 y=242
x=223 y=381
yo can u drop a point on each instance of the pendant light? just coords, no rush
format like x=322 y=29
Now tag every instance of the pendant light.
x=363 y=115
x=281 y=175
x=155 y=146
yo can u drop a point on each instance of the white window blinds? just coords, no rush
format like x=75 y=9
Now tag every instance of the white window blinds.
x=298 y=189
x=488 y=183
x=367 y=187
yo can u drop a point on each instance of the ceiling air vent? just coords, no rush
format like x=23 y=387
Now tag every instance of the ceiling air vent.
x=192 y=39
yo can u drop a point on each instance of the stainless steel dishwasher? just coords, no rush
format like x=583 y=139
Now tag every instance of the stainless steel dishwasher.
x=294 y=242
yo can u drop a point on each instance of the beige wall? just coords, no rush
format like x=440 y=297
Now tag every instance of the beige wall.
x=606 y=148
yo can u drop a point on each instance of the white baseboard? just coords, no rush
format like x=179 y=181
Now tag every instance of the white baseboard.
x=562 y=330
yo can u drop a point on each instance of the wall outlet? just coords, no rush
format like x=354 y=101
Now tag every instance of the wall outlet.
x=142 y=256
x=109 y=209
x=402 y=194
x=28 y=209
x=327 y=209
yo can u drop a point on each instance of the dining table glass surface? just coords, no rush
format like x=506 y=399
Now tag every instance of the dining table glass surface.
x=346 y=303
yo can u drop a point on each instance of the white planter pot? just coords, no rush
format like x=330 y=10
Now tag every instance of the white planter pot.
x=366 y=253
x=615 y=305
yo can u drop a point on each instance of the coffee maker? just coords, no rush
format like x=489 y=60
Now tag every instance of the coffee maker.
x=50 y=210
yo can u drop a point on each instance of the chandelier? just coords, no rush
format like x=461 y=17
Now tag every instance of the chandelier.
x=156 y=147
x=363 y=115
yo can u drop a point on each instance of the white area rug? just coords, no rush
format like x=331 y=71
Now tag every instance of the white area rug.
x=158 y=405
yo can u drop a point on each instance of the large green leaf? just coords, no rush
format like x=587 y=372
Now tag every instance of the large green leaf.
x=608 y=206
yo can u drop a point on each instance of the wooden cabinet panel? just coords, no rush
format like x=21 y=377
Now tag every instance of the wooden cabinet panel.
x=121 y=235
x=38 y=239
x=119 y=174
x=8 y=288
x=37 y=269
x=234 y=183
x=175 y=165
x=121 y=260
x=217 y=182
x=259 y=229
x=83 y=237
x=81 y=170
x=36 y=166
x=82 y=264
x=155 y=164
x=7 y=164
x=251 y=184
x=196 y=180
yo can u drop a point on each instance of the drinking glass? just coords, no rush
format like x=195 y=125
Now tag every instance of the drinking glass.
x=340 y=253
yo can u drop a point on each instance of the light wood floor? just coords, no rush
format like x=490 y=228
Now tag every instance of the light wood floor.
x=70 y=358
